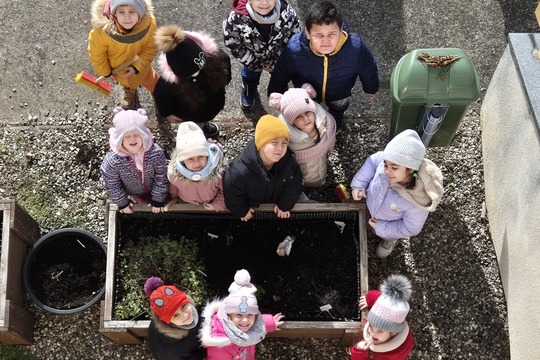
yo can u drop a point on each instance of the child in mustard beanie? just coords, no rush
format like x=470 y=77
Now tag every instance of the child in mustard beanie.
x=265 y=172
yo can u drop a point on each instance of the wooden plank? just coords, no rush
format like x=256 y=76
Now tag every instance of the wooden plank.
x=18 y=325
x=22 y=223
x=4 y=260
x=16 y=253
x=112 y=238
x=120 y=335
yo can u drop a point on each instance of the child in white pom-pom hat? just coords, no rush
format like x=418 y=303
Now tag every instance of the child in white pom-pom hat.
x=386 y=334
x=401 y=188
x=234 y=326
x=134 y=167
x=312 y=131
x=196 y=168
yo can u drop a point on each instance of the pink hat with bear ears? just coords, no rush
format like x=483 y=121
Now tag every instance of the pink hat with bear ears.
x=294 y=102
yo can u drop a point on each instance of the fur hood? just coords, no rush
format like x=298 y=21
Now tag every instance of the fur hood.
x=205 y=333
x=100 y=19
x=166 y=39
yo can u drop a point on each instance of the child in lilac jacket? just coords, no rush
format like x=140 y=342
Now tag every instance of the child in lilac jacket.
x=401 y=188
x=234 y=326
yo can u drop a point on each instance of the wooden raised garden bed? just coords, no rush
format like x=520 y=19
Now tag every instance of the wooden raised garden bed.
x=19 y=232
x=327 y=264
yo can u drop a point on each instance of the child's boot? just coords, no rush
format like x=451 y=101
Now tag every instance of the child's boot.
x=247 y=97
x=129 y=100
x=385 y=248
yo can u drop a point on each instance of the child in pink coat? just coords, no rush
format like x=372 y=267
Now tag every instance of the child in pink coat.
x=196 y=168
x=234 y=326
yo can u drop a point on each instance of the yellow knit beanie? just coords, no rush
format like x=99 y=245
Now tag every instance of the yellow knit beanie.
x=269 y=128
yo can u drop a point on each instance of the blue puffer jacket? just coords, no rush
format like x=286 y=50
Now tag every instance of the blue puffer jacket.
x=301 y=65
x=400 y=212
x=121 y=177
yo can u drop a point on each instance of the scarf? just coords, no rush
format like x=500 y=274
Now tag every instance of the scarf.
x=253 y=336
x=271 y=18
x=212 y=162
x=389 y=345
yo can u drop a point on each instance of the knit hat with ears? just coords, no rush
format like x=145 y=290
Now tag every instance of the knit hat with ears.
x=138 y=5
x=405 y=149
x=241 y=299
x=294 y=102
x=165 y=300
x=190 y=141
x=128 y=120
x=391 y=308
x=269 y=128
x=184 y=56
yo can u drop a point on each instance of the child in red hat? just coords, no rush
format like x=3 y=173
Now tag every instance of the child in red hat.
x=173 y=331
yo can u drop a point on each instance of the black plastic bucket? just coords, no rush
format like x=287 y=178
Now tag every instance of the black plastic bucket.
x=64 y=272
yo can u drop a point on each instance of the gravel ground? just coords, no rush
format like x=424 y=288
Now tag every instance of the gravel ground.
x=458 y=307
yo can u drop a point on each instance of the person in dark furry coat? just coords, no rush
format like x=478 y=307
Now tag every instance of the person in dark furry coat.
x=173 y=331
x=194 y=72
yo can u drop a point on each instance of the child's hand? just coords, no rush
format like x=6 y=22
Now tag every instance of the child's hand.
x=358 y=194
x=362 y=304
x=277 y=320
x=174 y=119
x=130 y=70
x=112 y=80
x=363 y=345
x=156 y=210
x=208 y=206
x=248 y=216
x=373 y=223
x=282 y=214
x=267 y=67
x=127 y=210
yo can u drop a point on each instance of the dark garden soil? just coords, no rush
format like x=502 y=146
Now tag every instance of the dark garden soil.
x=322 y=269
x=68 y=272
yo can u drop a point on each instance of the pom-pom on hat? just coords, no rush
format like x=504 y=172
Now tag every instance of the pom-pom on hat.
x=184 y=55
x=269 y=128
x=165 y=300
x=405 y=149
x=128 y=120
x=391 y=308
x=138 y=5
x=294 y=102
x=241 y=299
x=190 y=141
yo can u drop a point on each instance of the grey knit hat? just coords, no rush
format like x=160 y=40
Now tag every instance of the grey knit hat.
x=138 y=5
x=405 y=149
x=391 y=308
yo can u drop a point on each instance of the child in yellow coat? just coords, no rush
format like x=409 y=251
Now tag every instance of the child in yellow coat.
x=121 y=30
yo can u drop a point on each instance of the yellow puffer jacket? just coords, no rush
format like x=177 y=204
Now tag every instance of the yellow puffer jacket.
x=109 y=47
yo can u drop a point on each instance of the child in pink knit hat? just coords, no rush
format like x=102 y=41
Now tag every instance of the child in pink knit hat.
x=234 y=326
x=135 y=167
x=386 y=334
x=312 y=131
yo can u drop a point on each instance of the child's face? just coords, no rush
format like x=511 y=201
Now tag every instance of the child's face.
x=305 y=122
x=273 y=151
x=126 y=16
x=324 y=38
x=263 y=7
x=195 y=163
x=397 y=173
x=379 y=336
x=132 y=142
x=243 y=321
x=183 y=316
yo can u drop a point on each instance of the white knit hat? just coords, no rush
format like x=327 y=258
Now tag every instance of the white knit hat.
x=405 y=149
x=391 y=308
x=190 y=141
x=241 y=299
x=128 y=120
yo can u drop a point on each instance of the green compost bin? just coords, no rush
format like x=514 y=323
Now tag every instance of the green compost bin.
x=431 y=94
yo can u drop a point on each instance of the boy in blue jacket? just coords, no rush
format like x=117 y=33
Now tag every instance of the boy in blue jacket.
x=328 y=57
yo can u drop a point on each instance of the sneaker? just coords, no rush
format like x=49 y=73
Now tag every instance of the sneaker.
x=129 y=101
x=247 y=97
x=210 y=130
x=385 y=248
